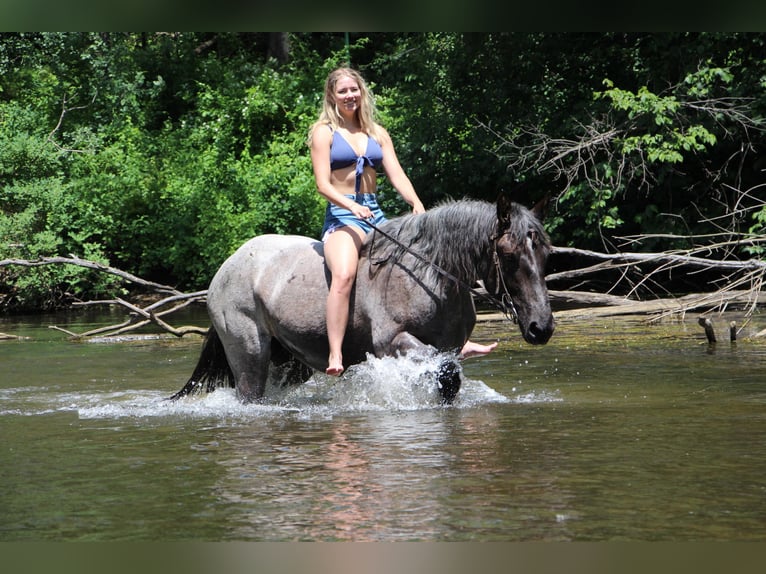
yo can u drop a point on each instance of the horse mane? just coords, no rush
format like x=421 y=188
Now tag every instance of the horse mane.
x=454 y=235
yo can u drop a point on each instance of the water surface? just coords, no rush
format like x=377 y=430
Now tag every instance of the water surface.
x=615 y=430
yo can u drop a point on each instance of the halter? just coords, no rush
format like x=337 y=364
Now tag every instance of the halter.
x=504 y=304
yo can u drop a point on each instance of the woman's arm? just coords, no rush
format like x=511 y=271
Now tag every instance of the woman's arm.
x=396 y=175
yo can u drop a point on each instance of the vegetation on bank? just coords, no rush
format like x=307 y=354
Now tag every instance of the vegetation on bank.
x=159 y=153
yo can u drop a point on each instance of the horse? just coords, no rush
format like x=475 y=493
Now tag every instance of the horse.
x=413 y=291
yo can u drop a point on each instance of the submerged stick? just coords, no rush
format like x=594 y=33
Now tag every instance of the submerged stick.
x=733 y=331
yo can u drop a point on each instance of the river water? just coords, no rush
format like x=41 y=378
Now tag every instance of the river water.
x=615 y=430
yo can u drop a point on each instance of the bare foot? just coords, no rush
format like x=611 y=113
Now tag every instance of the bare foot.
x=471 y=349
x=335 y=367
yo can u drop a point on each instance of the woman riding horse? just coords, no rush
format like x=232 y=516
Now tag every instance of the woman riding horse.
x=347 y=144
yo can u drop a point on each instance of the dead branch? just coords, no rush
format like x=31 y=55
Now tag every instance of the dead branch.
x=74 y=260
x=141 y=317
x=676 y=257
x=64 y=111
x=138 y=316
x=579 y=303
x=742 y=281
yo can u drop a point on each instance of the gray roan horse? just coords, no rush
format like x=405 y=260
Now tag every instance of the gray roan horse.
x=267 y=301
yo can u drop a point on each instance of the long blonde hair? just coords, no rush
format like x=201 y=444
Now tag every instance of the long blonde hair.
x=330 y=116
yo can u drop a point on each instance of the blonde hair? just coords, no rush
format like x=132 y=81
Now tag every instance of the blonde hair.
x=330 y=116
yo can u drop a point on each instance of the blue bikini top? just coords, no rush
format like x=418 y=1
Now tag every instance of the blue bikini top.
x=343 y=155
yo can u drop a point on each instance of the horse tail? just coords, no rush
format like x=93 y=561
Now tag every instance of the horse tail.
x=212 y=370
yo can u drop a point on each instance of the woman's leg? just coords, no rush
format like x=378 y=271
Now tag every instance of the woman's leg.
x=341 y=251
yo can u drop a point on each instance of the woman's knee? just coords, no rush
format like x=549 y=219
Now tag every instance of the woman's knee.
x=343 y=281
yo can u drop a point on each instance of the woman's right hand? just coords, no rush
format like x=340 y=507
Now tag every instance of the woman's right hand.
x=361 y=211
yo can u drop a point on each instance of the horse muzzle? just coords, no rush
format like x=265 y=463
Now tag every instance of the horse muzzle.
x=538 y=332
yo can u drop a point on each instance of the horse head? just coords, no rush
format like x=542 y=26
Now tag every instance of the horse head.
x=517 y=272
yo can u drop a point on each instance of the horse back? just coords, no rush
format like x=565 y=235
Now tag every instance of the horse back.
x=276 y=286
x=276 y=272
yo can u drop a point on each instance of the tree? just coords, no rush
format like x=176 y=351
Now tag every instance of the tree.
x=161 y=152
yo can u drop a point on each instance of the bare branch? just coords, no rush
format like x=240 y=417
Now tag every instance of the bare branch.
x=64 y=111
x=138 y=316
x=621 y=259
x=74 y=260
x=742 y=281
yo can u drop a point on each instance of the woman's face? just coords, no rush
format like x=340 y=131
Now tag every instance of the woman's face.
x=348 y=96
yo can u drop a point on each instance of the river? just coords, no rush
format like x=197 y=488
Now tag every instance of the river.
x=615 y=430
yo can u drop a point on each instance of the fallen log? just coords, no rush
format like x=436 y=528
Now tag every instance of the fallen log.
x=138 y=316
x=577 y=304
x=661 y=308
x=676 y=258
x=141 y=317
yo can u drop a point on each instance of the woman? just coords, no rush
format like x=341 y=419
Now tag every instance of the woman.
x=347 y=145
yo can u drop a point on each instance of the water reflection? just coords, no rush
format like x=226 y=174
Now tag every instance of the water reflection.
x=347 y=503
x=613 y=431
x=442 y=474
x=361 y=477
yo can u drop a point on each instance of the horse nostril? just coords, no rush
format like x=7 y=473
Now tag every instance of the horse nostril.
x=538 y=335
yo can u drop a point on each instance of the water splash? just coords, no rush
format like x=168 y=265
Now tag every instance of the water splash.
x=379 y=384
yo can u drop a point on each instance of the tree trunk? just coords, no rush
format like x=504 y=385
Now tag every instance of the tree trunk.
x=279 y=47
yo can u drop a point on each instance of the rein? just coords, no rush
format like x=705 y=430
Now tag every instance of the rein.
x=505 y=304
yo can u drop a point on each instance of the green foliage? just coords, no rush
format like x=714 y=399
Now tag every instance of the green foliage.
x=160 y=153
x=165 y=184
x=600 y=211
x=38 y=218
x=655 y=128
x=757 y=231
x=657 y=144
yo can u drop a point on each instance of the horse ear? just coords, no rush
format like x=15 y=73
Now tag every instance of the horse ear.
x=540 y=210
x=504 y=208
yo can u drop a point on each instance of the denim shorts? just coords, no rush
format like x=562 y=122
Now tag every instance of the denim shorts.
x=337 y=217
